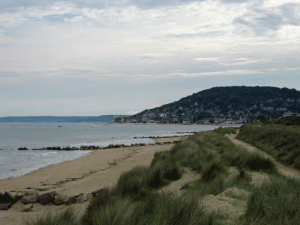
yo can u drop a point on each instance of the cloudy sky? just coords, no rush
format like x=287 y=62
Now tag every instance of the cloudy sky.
x=96 y=57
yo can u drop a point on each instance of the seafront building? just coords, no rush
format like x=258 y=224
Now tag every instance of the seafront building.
x=198 y=114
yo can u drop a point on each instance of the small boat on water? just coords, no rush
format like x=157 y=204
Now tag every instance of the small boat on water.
x=59 y=126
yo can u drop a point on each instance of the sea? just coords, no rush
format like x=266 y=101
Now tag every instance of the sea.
x=14 y=162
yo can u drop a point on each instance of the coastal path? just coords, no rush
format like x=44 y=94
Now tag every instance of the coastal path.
x=283 y=169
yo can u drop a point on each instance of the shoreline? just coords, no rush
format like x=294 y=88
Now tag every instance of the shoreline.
x=178 y=124
x=92 y=148
x=100 y=169
x=158 y=141
x=137 y=141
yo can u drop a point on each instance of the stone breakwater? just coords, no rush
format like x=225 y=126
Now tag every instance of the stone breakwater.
x=50 y=198
x=94 y=147
x=29 y=198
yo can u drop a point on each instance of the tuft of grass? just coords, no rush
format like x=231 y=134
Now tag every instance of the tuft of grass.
x=162 y=172
x=275 y=203
x=213 y=170
x=66 y=217
x=97 y=204
x=134 y=182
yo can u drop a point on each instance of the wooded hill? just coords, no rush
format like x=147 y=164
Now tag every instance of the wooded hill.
x=223 y=99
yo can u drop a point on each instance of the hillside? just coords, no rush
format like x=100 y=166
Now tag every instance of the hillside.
x=239 y=103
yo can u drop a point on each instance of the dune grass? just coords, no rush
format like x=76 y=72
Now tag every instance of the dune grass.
x=281 y=141
x=226 y=130
x=135 y=199
x=199 y=150
x=66 y=217
x=276 y=202
x=155 y=208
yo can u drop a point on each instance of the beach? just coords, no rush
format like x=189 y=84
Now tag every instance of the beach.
x=100 y=169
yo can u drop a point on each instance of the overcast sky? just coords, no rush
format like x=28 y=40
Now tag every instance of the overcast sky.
x=97 y=57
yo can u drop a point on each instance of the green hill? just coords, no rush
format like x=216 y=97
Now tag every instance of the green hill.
x=266 y=100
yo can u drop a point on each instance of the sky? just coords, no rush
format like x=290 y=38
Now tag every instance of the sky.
x=99 y=57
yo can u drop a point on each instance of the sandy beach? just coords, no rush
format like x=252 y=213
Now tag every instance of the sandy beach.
x=100 y=169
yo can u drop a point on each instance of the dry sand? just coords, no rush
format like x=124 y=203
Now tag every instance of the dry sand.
x=100 y=169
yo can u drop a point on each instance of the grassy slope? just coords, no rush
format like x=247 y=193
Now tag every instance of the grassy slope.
x=135 y=200
x=281 y=141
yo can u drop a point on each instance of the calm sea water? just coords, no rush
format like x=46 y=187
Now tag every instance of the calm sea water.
x=15 y=163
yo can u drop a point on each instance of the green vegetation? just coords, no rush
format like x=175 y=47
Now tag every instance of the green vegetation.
x=239 y=97
x=275 y=203
x=281 y=141
x=202 y=115
x=155 y=208
x=201 y=149
x=227 y=130
x=288 y=121
x=66 y=217
x=137 y=200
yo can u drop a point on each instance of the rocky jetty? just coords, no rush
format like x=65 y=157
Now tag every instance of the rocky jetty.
x=53 y=198
x=94 y=147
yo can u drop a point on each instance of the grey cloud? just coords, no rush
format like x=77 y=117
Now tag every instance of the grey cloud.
x=288 y=10
x=234 y=1
x=6 y=5
x=160 y=3
x=262 y=20
x=198 y=34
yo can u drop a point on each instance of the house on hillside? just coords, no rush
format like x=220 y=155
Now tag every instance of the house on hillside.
x=269 y=108
x=287 y=114
x=282 y=109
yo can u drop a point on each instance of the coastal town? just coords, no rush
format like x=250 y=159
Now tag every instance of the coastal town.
x=199 y=114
